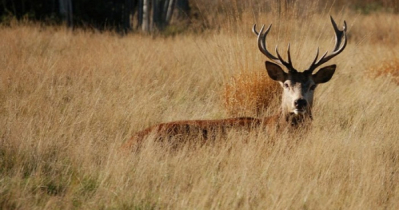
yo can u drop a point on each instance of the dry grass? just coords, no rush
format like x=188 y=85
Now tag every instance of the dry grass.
x=250 y=94
x=68 y=101
x=387 y=68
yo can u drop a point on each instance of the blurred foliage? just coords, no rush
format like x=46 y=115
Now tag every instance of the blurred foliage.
x=87 y=13
x=110 y=14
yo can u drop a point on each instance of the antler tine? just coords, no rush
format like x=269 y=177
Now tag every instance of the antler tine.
x=289 y=54
x=262 y=42
x=287 y=64
x=289 y=59
x=338 y=48
x=322 y=57
x=262 y=47
x=315 y=59
x=339 y=34
x=254 y=30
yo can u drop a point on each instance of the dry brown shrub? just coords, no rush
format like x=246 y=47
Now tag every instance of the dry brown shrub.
x=388 y=68
x=250 y=93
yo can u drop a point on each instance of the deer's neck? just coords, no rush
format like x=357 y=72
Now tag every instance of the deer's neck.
x=295 y=120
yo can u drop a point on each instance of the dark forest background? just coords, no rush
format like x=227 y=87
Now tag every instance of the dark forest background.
x=158 y=15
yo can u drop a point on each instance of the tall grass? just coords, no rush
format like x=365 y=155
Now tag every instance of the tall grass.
x=68 y=101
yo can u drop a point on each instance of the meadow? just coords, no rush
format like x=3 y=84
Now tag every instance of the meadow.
x=70 y=99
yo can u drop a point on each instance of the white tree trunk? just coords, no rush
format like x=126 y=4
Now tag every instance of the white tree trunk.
x=146 y=16
x=169 y=12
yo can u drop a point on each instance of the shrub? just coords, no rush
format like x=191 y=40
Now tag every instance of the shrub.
x=250 y=93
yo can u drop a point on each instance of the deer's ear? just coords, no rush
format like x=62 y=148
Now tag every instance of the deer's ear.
x=275 y=72
x=324 y=74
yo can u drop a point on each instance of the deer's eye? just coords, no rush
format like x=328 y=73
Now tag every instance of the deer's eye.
x=286 y=85
x=312 y=87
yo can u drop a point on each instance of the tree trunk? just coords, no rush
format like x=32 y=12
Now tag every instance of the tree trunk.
x=66 y=12
x=146 y=16
x=155 y=15
x=169 y=11
x=158 y=22
x=127 y=11
x=139 y=14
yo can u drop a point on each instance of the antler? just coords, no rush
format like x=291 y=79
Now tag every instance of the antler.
x=263 y=49
x=337 y=49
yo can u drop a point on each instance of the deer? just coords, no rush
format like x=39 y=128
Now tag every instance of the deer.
x=296 y=104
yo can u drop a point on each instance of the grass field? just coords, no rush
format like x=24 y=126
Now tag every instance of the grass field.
x=69 y=100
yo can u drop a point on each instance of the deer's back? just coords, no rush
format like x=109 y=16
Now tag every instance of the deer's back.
x=200 y=129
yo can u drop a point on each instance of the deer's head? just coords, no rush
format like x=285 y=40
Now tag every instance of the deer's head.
x=298 y=87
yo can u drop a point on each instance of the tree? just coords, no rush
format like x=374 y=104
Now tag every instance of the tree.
x=120 y=15
x=66 y=12
x=155 y=15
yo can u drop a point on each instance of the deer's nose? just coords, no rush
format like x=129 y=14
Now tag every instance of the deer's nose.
x=300 y=103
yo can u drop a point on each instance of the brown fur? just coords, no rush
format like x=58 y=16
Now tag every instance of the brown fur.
x=175 y=133
x=204 y=129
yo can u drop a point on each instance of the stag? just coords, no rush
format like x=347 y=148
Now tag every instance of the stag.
x=296 y=104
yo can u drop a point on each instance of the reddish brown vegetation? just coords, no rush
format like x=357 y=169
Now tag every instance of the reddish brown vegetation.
x=389 y=68
x=249 y=93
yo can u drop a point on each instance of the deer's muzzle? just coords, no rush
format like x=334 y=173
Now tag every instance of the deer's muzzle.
x=300 y=106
